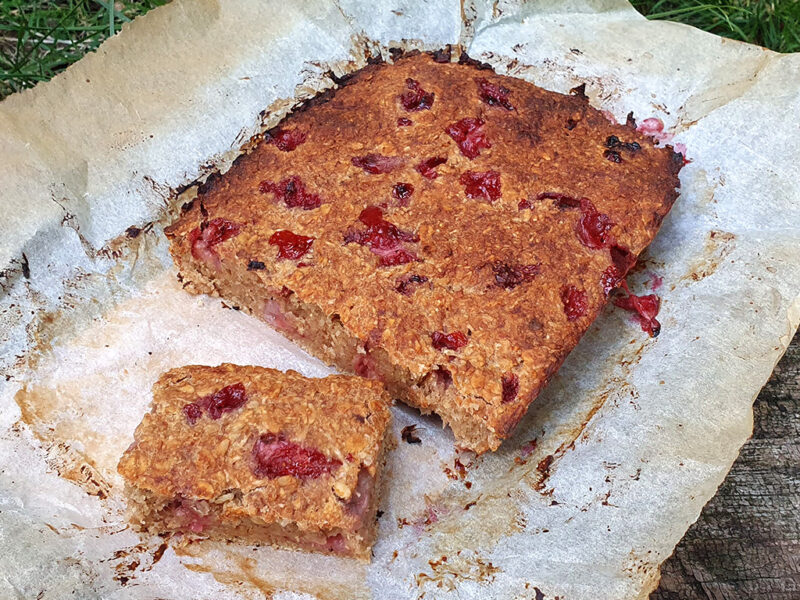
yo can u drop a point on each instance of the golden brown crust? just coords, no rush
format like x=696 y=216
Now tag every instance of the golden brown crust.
x=212 y=460
x=548 y=143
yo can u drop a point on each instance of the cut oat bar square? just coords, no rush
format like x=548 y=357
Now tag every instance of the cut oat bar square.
x=263 y=456
x=447 y=230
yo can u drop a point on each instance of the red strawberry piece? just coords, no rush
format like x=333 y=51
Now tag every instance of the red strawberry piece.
x=508 y=276
x=645 y=309
x=293 y=192
x=469 y=135
x=450 y=341
x=225 y=400
x=377 y=163
x=427 y=168
x=215 y=405
x=510 y=387
x=575 y=302
x=285 y=139
x=204 y=238
x=290 y=245
x=493 y=94
x=192 y=412
x=416 y=98
x=484 y=184
x=402 y=192
x=275 y=456
x=383 y=238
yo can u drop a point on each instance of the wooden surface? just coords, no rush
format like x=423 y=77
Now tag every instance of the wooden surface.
x=746 y=543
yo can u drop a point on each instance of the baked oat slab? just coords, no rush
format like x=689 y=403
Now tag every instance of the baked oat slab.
x=261 y=455
x=436 y=226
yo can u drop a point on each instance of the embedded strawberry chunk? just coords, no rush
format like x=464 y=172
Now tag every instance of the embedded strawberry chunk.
x=372 y=217
x=450 y=341
x=610 y=279
x=416 y=98
x=365 y=366
x=275 y=456
x=275 y=317
x=645 y=308
x=218 y=230
x=510 y=387
x=292 y=191
x=188 y=518
x=469 y=135
x=493 y=94
x=377 y=163
x=575 y=302
x=444 y=378
x=383 y=238
x=204 y=238
x=406 y=285
x=336 y=544
x=524 y=204
x=508 y=276
x=593 y=228
x=427 y=168
x=402 y=192
x=225 y=400
x=285 y=140
x=394 y=256
x=192 y=412
x=404 y=122
x=485 y=184
x=622 y=260
x=359 y=502
x=290 y=245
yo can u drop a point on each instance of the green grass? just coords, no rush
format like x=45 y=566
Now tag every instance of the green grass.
x=774 y=24
x=39 y=38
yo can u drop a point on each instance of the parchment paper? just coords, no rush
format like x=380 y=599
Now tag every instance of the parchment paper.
x=614 y=460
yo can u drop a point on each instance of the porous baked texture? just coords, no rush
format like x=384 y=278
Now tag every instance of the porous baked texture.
x=447 y=230
x=282 y=459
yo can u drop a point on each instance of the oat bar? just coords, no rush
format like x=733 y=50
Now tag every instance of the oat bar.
x=433 y=225
x=260 y=455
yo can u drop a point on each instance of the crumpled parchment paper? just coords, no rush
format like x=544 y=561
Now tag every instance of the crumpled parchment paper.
x=614 y=460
